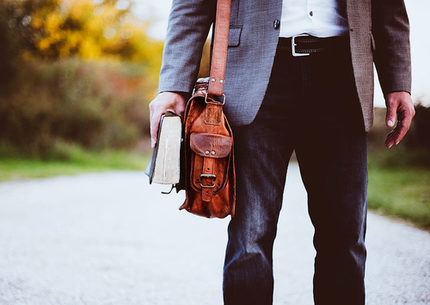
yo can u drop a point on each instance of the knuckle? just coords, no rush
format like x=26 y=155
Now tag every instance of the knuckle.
x=409 y=114
x=391 y=110
x=390 y=101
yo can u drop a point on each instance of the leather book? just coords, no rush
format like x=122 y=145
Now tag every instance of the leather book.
x=164 y=167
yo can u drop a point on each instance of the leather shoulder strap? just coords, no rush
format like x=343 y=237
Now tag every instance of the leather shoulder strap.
x=220 y=44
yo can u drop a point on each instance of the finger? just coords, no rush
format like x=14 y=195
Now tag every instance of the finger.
x=395 y=135
x=391 y=115
x=390 y=140
x=179 y=105
x=155 y=121
x=403 y=128
x=399 y=132
x=154 y=131
x=180 y=110
x=392 y=137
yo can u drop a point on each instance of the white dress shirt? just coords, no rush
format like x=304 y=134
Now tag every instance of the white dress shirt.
x=320 y=18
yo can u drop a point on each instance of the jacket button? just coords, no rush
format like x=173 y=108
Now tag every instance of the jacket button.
x=276 y=24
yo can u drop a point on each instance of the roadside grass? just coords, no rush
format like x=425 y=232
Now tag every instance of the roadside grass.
x=401 y=191
x=69 y=160
x=398 y=187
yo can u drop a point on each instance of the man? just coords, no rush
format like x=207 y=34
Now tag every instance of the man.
x=299 y=77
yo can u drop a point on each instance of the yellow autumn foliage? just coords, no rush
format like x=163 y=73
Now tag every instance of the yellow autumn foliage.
x=92 y=30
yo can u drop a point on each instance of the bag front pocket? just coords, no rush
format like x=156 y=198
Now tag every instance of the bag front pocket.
x=210 y=158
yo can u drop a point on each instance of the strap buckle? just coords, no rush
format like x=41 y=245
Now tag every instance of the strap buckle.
x=207 y=176
x=294 y=44
x=208 y=102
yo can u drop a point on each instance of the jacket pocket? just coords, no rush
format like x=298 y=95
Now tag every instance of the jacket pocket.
x=234 y=35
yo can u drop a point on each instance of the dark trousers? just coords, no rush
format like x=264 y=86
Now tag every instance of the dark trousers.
x=311 y=107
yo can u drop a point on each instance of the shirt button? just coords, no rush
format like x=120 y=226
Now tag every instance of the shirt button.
x=276 y=24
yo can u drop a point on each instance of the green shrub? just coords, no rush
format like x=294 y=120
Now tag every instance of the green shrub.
x=414 y=150
x=419 y=135
x=95 y=104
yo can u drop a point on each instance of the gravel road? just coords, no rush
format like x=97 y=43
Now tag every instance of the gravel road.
x=109 y=238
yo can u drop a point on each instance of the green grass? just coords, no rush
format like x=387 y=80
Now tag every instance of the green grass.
x=400 y=191
x=397 y=187
x=68 y=161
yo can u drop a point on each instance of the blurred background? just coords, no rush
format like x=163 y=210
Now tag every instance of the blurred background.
x=77 y=76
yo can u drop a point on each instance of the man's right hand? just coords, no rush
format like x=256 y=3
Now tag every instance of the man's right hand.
x=162 y=103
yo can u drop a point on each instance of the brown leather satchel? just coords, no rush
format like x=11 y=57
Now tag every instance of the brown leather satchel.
x=209 y=175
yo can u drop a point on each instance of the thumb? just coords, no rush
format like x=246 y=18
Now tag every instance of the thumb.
x=391 y=115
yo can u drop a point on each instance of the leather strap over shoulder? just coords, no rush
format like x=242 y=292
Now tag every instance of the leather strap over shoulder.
x=219 y=51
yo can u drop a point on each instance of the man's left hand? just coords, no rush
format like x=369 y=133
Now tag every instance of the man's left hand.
x=401 y=108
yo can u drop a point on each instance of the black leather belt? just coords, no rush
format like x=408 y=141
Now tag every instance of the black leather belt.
x=305 y=45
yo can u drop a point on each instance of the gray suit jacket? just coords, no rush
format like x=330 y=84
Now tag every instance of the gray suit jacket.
x=379 y=32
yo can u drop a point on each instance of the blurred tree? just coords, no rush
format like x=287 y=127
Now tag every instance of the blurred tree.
x=95 y=104
x=75 y=70
x=53 y=29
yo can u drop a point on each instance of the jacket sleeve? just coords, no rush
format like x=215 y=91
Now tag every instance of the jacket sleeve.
x=187 y=31
x=390 y=27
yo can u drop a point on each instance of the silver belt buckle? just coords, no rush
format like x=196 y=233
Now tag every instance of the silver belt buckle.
x=293 y=46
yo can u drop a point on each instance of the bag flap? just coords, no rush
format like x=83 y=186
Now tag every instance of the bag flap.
x=211 y=145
